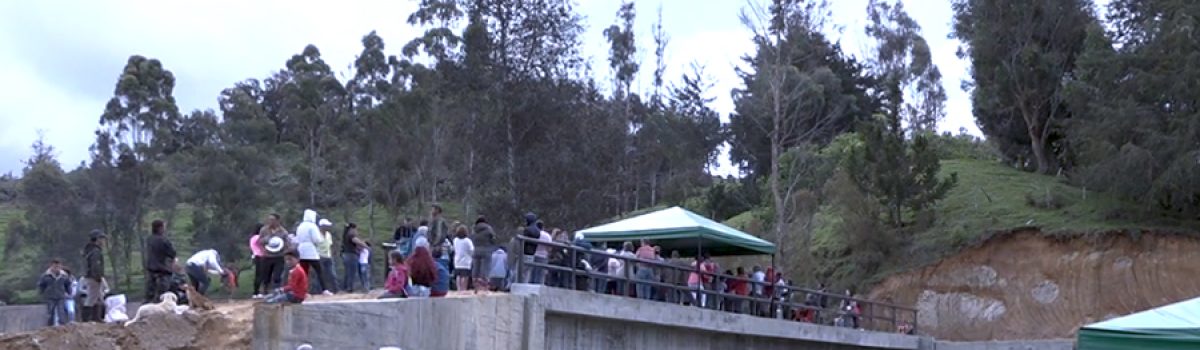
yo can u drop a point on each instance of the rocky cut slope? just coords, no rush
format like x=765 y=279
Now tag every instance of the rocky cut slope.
x=1027 y=285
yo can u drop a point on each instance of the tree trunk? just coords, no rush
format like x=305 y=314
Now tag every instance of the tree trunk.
x=1038 y=144
x=512 y=163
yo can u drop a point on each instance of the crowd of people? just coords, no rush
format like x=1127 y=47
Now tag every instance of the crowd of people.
x=431 y=257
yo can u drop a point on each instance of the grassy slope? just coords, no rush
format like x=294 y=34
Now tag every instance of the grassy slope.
x=992 y=197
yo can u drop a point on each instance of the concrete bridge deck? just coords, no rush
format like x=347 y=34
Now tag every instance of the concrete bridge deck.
x=539 y=318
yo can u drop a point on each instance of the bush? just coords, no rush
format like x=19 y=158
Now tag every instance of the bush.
x=963 y=146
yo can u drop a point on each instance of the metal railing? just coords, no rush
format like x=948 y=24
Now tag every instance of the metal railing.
x=814 y=306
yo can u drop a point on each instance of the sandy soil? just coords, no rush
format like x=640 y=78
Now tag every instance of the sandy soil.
x=227 y=327
x=1024 y=285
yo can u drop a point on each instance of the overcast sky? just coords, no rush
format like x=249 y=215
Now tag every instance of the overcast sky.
x=59 y=62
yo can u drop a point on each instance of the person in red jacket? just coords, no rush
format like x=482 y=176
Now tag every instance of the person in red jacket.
x=296 y=289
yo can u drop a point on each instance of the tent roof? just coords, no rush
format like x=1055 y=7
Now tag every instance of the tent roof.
x=678 y=229
x=1181 y=315
x=1175 y=326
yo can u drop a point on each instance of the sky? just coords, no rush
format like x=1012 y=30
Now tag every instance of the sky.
x=60 y=61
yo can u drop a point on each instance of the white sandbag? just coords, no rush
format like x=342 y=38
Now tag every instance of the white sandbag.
x=116 y=309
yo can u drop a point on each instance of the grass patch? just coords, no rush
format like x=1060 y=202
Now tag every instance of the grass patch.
x=991 y=196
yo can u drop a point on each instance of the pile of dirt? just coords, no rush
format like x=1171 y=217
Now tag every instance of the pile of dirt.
x=227 y=328
x=1027 y=285
x=187 y=331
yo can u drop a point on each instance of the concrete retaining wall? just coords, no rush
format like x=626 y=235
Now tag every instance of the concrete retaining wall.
x=536 y=318
x=1058 y=344
x=24 y=318
x=492 y=322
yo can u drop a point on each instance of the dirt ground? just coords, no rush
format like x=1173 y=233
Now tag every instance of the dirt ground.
x=1025 y=285
x=227 y=327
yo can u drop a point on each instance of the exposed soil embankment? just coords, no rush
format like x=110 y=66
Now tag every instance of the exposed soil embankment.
x=1027 y=285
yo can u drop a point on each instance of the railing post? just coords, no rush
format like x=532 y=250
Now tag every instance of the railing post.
x=573 y=263
x=520 y=278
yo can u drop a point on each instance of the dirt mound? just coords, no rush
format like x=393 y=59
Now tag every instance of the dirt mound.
x=1027 y=285
x=187 y=331
x=226 y=328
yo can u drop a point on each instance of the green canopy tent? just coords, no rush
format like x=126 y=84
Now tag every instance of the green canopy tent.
x=677 y=229
x=1175 y=326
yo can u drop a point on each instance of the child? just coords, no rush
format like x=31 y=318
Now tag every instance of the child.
x=498 y=272
x=296 y=289
x=364 y=266
x=397 y=281
x=442 y=286
x=53 y=286
x=72 y=293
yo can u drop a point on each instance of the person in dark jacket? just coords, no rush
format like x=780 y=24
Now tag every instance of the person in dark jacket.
x=53 y=287
x=93 y=278
x=533 y=233
x=484 y=240
x=160 y=262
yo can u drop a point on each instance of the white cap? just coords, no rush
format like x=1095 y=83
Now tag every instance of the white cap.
x=324 y=222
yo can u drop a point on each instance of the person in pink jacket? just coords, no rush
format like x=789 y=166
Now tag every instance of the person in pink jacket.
x=256 y=252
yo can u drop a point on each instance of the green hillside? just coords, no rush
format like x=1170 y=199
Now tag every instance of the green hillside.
x=990 y=197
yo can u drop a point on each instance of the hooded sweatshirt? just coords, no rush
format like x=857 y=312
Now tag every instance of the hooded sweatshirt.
x=421 y=238
x=484 y=240
x=308 y=235
x=531 y=232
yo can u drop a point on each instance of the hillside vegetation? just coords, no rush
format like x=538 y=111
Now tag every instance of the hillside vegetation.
x=990 y=197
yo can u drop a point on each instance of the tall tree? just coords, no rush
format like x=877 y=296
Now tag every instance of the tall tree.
x=898 y=170
x=1021 y=53
x=800 y=90
x=623 y=62
x=138 y=127
x=1137 y=124
x=909 y=84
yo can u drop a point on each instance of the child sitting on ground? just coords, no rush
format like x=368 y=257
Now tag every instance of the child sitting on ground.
x=296 y=289
x=397 y=281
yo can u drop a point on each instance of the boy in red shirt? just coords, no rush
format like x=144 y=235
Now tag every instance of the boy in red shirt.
x=296 y=289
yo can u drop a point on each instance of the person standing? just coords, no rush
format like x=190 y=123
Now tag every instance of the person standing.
x=364 y=266
x=160 y=262
x=437 y=226
x=93 y=277
x=404 y=231
x=308 y=235
x=53 y=286
x=325 y=250
x=645 y=272
x=256 y=253
x=274 y=241
x=464 y=254
x=199 y=265
x=529 y=248
x=541 y=255
x=296 y=289
x=351 y=244
x=484 y=241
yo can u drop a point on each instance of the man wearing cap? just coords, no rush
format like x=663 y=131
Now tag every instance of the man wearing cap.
x=93 y=277
x=325 y=250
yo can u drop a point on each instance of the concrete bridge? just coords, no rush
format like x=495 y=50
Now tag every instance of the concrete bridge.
x=539 y=318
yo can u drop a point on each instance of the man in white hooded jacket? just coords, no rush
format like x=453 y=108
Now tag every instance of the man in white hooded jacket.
x=308 y=235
